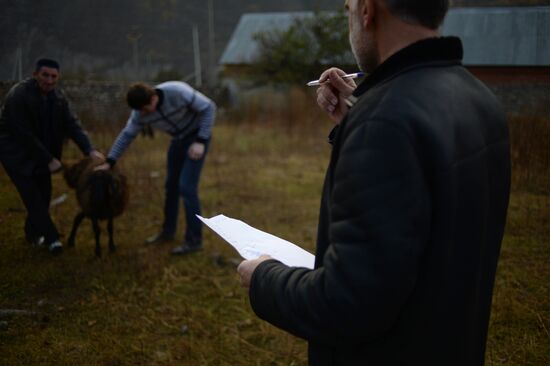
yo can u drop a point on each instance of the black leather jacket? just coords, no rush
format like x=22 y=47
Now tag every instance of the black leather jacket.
x=21 y=130
x=411 y=222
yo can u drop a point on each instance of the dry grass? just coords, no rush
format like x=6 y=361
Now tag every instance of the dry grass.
x=142 y=307
x=529 y=137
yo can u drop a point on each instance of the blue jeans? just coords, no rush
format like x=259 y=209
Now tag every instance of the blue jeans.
x=182 y=179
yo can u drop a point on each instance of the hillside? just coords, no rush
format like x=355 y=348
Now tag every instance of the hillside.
x=130 y=39
x=97 y=36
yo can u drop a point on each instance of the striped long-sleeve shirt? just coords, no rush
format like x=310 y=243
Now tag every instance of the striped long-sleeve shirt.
x=182 y=112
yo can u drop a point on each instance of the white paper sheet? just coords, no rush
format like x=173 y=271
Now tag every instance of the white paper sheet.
x=252 y=243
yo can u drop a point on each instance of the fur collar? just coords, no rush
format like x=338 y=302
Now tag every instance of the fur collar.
x=441 y=49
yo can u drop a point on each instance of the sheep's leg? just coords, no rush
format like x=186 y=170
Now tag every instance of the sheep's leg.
x=110 y=226
x=76 y=223
x=95 y=224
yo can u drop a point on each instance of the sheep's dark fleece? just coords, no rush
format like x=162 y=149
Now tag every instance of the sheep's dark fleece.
x=102 y=195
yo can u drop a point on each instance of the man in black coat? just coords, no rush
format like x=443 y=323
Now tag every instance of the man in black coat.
x=35 y=121
x=413 y=207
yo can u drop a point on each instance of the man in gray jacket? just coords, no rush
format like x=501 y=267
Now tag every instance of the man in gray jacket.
x=188 y=116
x=413 y=207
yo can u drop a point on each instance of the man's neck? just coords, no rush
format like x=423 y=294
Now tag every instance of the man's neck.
x=400 y=35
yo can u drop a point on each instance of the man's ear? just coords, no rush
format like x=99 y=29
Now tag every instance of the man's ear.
x=368 y=12
x=154 y=100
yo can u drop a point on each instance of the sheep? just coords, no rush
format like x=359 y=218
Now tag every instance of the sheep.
x=101 y=195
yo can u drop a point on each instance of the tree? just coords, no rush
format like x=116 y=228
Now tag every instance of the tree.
x=304 y=50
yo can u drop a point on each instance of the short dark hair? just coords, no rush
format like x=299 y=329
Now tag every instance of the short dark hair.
x=46 y=62
x=139 y=95
x=429 y=13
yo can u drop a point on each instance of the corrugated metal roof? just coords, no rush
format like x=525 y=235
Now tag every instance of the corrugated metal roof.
x=507 y=36
x=242 y=48
x=518 y=36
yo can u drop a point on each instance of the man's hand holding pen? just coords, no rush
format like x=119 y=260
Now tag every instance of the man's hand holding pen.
x=332 y=93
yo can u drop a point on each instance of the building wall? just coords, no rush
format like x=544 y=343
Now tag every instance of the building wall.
x=520 y=89
x=512 y=75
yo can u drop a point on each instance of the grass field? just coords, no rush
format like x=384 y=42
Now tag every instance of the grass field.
x=141 y=306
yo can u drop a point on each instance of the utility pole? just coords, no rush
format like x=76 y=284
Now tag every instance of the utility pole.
x=134 y=39
x=148 y=61
x=197 y=53
x=211 y=46
x=17 y=73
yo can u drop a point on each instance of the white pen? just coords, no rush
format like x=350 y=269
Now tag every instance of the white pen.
x=347 y=76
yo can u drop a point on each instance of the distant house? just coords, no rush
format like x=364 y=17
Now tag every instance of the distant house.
x=506 y=47
x=242 y=50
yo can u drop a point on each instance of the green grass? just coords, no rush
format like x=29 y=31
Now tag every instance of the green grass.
x=141 y=306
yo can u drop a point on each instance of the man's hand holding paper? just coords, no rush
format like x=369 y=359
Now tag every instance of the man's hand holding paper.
x=247 y=267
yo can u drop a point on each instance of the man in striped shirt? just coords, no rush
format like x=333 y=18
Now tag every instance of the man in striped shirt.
x=188 y=116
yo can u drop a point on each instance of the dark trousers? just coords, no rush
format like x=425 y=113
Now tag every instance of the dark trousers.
x=182 y=180
x=36 y=192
